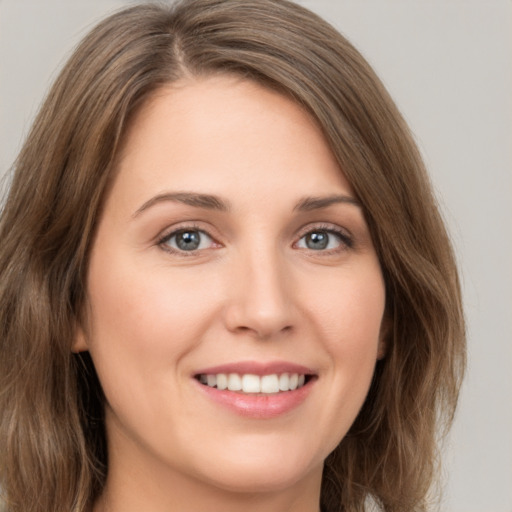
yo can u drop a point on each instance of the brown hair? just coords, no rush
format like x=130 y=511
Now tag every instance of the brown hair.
x=52 y=442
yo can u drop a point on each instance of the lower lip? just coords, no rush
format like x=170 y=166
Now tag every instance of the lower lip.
x=260 y=406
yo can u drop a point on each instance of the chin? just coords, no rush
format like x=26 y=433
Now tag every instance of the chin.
x=258 y=480
x=263 y=473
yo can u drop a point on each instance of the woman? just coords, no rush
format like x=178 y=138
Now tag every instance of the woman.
x=225 y=283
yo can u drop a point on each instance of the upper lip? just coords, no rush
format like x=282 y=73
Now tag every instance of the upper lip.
x=257 y=368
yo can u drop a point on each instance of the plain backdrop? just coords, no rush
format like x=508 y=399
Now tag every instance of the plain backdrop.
x=448 y=64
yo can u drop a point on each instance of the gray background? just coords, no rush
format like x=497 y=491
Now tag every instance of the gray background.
x=448 y=64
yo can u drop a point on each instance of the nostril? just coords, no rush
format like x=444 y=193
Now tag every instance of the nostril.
x=263 y=331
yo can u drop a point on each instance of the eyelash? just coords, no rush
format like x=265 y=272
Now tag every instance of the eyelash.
x=346 y=241
x=164 y=240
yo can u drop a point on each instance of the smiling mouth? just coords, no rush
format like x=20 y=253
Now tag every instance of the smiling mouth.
x=248 y=383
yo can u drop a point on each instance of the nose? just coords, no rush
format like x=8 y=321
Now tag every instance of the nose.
x=260 y=300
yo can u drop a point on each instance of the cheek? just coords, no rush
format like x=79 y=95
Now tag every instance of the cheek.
x=350 y=311
x=350 y=319
x=144 y=320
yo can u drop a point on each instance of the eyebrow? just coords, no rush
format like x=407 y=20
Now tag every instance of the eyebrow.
x=206 y=201
x=308 y=204
x=211 y=202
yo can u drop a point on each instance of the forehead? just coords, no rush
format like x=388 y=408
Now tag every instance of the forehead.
x=224 y=135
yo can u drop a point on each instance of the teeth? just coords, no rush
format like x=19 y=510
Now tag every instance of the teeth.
x=222 y=381
x=249 y=383
x=234 y=382
x=294 y=381
x=284 y=382
x=270 y=384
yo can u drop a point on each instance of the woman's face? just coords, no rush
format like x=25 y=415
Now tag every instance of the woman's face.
x=231 y=253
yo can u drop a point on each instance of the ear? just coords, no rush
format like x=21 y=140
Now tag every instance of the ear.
x=385 y=332
x=80 y=341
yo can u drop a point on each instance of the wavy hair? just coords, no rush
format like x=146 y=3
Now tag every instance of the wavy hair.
x=53 y=455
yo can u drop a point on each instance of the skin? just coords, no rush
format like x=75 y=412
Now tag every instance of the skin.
x=253 y=291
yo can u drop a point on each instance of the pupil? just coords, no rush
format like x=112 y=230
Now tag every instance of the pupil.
x=317 y=240
x=188 y=240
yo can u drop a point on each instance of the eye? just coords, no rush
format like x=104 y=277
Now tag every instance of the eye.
x=187 y=240
x=324 y=240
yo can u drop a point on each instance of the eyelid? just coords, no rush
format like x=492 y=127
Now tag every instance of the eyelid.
x=168 y=233
x=345 y=236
